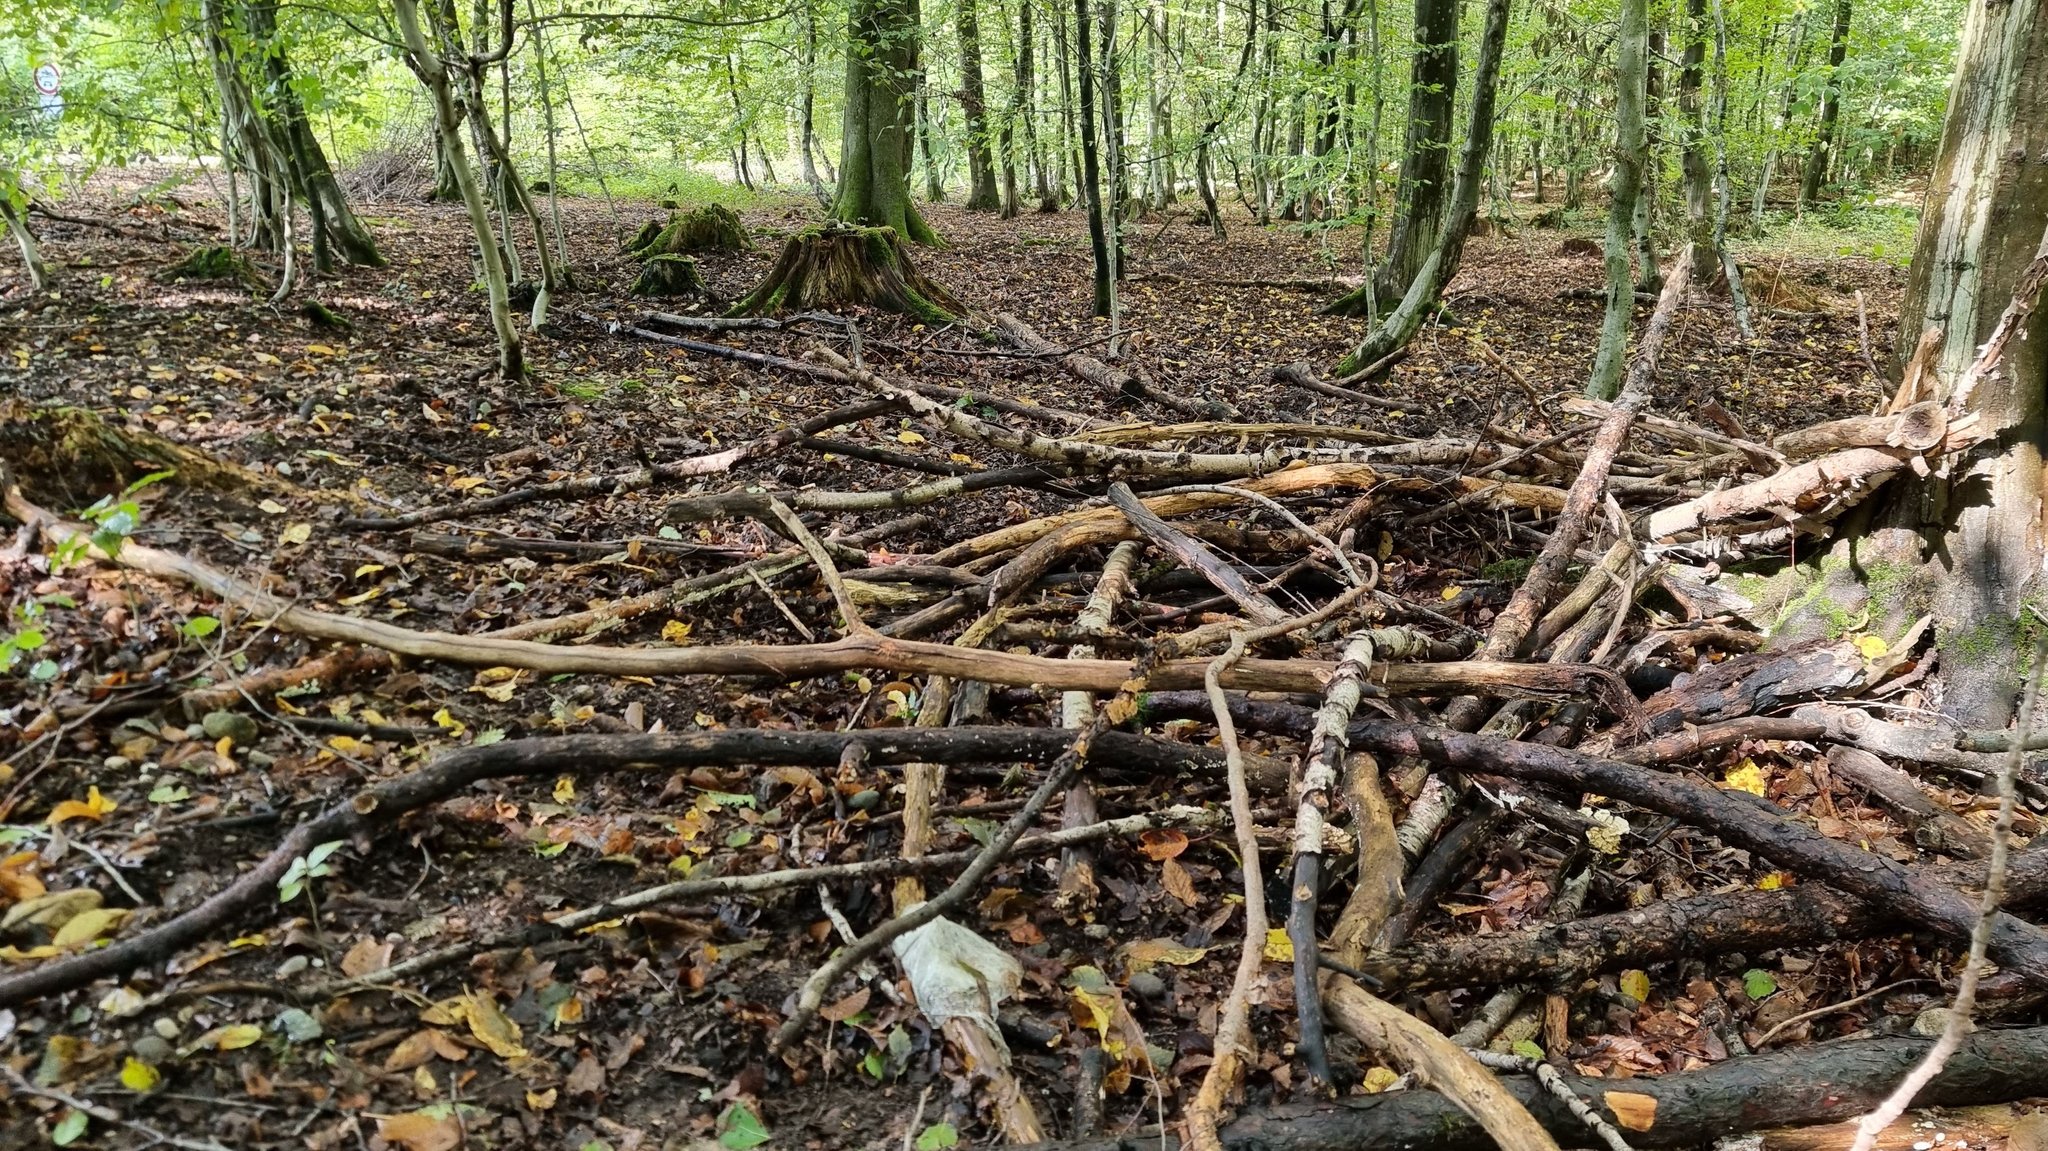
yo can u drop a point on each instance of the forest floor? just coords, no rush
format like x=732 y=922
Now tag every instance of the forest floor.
x=648 y=1031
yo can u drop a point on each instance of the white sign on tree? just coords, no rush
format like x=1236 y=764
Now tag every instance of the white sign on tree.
x=49 y=81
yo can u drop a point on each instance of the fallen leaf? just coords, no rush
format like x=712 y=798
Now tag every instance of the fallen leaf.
x=1635 y=983
x=1162 y=844
x=1178 y=882
x=420 y=1131
x=541 y=1100
x=139 y=1076
x=1279 y=948
x=1152 y=952
x=297 y=533
x=94 y=807
x=366 y=956
x=846 y=1008
x=1745 y=776
x=88 y=926
x=491 y=1026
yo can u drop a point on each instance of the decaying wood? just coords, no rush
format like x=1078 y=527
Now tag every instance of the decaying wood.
x=1817 y=1084
x=1114 y=381
x=1737 y=818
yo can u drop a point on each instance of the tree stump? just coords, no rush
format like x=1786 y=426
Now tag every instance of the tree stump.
x=711 y=228
x=213 y=262
x=670 y=275
x=840 y=265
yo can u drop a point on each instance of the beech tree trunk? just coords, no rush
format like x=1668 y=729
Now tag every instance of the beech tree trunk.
x=1814 y=177
x=1091 y=167
x=1425 y=161
x=1698 y=181
x=874 y=145
x=1966 y=544
x=1400 y=325
x=981 y=173
x=1631 y=76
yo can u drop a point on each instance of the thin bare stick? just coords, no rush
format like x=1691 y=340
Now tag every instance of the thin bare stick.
x=1554 y=1083
x=826 y=568
x=1959 y=1023
x=106 y=1114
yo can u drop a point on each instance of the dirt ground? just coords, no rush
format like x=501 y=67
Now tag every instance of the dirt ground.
x=648 y=1032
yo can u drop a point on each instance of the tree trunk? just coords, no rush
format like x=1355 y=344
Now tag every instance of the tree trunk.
x=1159 y=136
x=1815 y=175
x=1631 y=76
x=1967 y=543
x=981 y=172
x=874 y=152
x=1425 y=160
x=1091 y=173
x=1404 y=321
x=1738 y=300
x=1699 y=192
x=1020 y=85
x=1648 y=278
x=427 y=64
x=13 y=205
x=1042 y=182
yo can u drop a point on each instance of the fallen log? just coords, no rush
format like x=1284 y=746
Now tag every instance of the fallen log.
x=1115 y=381
x=1825 y=1083
x=1558 y=956
x=1737 y=818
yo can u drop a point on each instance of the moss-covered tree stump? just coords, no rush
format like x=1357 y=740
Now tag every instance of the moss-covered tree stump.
x=670 y=275
x=839 y=266
x=711 y=228
x=213 y=262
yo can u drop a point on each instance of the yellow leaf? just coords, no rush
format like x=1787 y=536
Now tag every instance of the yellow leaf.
x=1872 y=647
x=1451 y=592
x=1279 y=948
x=569 y=1012
x=906 y=436
x=1745 y=776
x=449 y=723
x=237 y=1037
x=1149 y=952
x=1635 y=983
x=95 y=807
x=1094 y=1010
x=491 y=1026
x=497 y=683
x=361 y=597
x=87 y=926
x=298 y=533
x=273 y=507
x=139 y=1076
x=1631 y=1110
x=367 y=569
x=1772 y=882
x=675 y=631
x=467 y=482
x=541 y=1100
x=320 y=350
x=565 y=790
x=348 y=745
x=1379 y=1079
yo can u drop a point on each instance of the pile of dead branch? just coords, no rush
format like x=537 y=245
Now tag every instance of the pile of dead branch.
x=1250 y=577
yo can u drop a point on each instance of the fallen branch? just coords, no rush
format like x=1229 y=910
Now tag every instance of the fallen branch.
x=373 y=810
x=1822 y=1083
x=1115 y=381
x=1737 y=818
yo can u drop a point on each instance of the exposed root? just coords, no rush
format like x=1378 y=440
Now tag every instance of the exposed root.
x=838 y=266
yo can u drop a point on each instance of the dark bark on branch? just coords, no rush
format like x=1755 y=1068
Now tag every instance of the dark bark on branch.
x=1737 y=818
x=1809 y=1085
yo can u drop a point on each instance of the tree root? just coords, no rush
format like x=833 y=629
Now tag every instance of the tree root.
x=838 y=266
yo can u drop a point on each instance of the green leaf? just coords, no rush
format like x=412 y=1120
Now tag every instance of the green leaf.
x=169 y=793
x=200 y=626
x=1527 y=1049
x=69 y=1128
x=742 y=1129
x=938 y=1137
x=27 y=639
x=316 y=859
x=43 y=670
x=1758 y=983
x=488 y=736
x=151 y=478
x=874 y=1064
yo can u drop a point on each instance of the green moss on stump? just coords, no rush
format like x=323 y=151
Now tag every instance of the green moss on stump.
x=670 y=275
x=213 y=262
x=711 y=228
x=839 y=266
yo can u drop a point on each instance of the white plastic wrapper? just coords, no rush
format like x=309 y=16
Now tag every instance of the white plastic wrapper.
x=955 y=973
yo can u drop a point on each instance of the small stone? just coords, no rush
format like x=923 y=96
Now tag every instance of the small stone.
x=117 y=763
x=297 y=1026
x=195 y=731
x=258 y=759
x=165 y=1026
x=151 y=1049
x=864 y=800
x=1931 y=1022
x=1148 y=986
x=293 y=966
x=230 y=725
